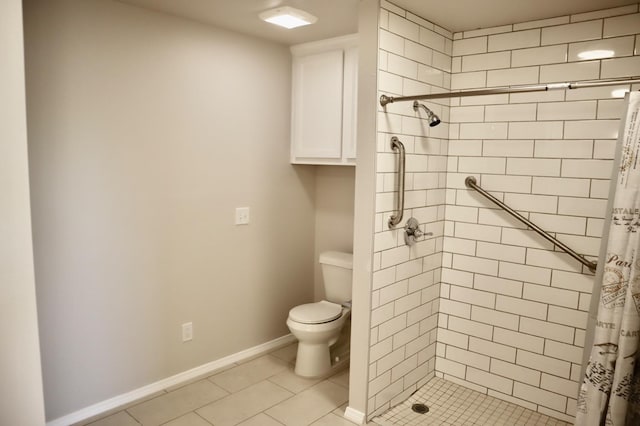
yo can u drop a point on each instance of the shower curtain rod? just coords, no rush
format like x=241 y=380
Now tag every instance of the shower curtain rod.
x=384 y=99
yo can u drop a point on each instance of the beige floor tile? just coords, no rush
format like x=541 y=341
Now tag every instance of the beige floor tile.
x=310 y=405
x=341 y=378
x=341 y=409
x=291 y=381
x=287 y=353
x=191 y=419
x=120 y=418
x=93 y=419
x=176 y=403
x=245 y=404
x=201 y=377
x=250 y=373
x=260 y=420
x=332 y=420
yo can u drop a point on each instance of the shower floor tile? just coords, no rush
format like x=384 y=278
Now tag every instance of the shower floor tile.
x=453 y=405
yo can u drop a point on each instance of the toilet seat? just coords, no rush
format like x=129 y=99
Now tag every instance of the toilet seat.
x=315 y=313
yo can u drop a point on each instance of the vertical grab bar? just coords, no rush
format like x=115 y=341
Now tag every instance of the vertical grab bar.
x=396 y=218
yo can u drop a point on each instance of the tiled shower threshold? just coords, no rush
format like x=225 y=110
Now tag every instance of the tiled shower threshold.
x=454 y=405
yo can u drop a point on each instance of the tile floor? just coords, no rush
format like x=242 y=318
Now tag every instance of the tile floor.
x=265 y=392
x=455 y=405
x=260 y=392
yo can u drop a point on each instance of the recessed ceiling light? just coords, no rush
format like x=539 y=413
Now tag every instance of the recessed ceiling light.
x=596 y=54
x=288 y=17
x=619 y=93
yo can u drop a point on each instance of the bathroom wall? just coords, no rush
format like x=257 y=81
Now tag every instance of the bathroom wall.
x=513 y=310
x=414 y=57
x=334 y=204
x=145 y=132
x=364 y=208
x=21 y=384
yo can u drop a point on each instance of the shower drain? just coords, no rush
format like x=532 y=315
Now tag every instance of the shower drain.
x=420 y=408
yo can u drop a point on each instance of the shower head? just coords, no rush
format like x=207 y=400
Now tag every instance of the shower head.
x=434 y=120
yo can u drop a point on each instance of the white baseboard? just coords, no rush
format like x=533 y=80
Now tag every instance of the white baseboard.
x=134 y=395
x=354 y=415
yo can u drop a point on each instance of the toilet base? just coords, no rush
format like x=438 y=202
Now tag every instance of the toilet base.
x=321 y=360
x=312 y=360
x=320 y=346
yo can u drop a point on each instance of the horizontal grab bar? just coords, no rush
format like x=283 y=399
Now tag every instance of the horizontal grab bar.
x=470 y=182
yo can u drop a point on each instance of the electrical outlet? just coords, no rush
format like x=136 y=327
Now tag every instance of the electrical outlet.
x=187 y=331
x=242 y=216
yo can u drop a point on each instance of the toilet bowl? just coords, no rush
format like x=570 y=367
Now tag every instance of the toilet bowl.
x=318 y=326
x=314 y=342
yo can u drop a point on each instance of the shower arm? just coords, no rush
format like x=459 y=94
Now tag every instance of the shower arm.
x=433 y=119
x=384 y=99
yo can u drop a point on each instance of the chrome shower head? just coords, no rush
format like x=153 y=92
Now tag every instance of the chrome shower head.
x=434 y=120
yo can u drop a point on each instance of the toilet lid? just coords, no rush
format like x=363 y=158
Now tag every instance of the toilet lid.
x=315 y=313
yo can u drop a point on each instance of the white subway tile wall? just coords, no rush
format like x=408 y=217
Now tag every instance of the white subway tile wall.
x=486 y=303
x=516 y=305
x=415 y=57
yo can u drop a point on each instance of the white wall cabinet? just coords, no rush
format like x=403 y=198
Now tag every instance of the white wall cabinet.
x=324 y=101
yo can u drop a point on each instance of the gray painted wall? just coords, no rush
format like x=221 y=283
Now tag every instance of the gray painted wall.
x=146 y=131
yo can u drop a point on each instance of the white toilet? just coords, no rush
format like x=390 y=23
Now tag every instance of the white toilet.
x=318 y=326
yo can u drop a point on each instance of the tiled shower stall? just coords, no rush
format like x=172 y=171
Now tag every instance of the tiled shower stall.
x=484 y=302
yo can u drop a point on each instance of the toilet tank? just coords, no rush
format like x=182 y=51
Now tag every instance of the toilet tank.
x=337 y=268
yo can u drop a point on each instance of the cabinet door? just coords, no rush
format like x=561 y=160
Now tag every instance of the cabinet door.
x=350 y=105
x=317 y=105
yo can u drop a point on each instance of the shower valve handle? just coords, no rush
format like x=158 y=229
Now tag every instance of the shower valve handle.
x=413 y=232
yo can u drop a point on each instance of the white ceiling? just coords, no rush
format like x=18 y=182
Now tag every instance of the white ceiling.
x=463 y=15
x=335 y=17
x=339 y=17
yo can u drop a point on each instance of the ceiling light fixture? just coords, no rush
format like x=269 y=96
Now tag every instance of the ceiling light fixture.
x=619 y=93
x=596 y=54
x=288 y=17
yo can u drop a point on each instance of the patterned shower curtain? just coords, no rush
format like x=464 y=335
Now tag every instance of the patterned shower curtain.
x=610 y=391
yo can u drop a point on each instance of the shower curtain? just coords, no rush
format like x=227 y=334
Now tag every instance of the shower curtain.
x=610 y=391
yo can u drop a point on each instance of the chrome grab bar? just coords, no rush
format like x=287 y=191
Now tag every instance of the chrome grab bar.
x=470 y=182
x=396 y=218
